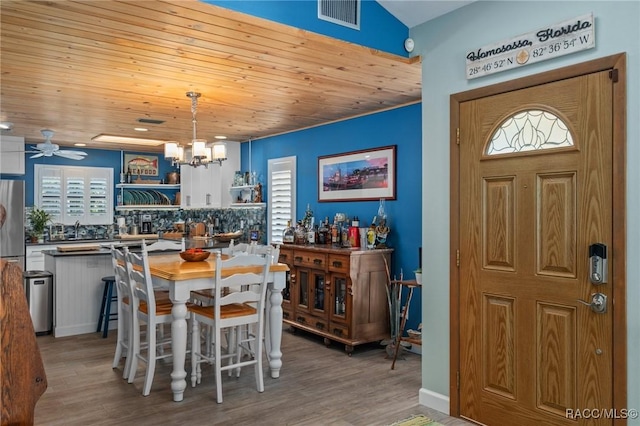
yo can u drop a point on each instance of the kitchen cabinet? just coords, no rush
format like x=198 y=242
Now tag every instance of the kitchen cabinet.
x=12 y=155
x=34 y=257
x=336 y=293
x=200 y=187
x=143 y=196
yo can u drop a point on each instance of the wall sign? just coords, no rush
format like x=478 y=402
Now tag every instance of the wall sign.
x=141 y=165
x=550 y=42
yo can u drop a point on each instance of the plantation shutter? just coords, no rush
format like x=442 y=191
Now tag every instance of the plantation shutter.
x=70 y=194
x=282 y=196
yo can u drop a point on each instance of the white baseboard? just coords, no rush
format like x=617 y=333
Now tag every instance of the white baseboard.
x=434 y=400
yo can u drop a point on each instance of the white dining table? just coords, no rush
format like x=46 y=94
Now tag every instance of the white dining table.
x=180 y=278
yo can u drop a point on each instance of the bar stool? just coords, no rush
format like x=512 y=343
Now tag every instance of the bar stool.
x=108 y=296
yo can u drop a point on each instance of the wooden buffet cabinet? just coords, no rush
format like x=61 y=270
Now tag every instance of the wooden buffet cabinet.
x=337 y=293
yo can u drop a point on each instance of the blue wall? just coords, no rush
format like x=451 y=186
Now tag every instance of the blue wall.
x=378 y=28
x=401 y=127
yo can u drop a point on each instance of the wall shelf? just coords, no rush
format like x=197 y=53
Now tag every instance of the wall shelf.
x=147 y=185
x=244 y=193
x=247 y=205
x=153 y=194
x=147 y=207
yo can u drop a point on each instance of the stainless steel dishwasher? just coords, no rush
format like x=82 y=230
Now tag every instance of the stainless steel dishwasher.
x=39 y=290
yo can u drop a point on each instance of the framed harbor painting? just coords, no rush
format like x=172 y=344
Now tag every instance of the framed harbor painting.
x=358 y=175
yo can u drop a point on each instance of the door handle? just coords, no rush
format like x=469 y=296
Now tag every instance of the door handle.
x=598 y=303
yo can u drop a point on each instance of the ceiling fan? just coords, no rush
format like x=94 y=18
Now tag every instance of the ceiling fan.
x=48 y=149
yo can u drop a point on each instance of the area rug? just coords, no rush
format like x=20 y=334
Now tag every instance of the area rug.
x=416 y=420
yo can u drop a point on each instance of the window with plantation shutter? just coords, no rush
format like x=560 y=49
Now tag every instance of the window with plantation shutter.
x=75 y=194
x=282 y=196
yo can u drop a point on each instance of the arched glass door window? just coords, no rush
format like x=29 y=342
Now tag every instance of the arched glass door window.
x=530 y=130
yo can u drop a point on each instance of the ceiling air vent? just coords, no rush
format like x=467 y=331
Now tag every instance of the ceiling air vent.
x=150 y=121
x=341 y=12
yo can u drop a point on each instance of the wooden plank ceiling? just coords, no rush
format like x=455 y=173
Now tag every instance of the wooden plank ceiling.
x=84 y=68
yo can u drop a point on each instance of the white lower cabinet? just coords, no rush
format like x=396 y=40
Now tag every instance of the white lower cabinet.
x=34 y=257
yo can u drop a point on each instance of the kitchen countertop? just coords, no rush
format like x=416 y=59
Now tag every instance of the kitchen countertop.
x=105 y=248
x=78 y=241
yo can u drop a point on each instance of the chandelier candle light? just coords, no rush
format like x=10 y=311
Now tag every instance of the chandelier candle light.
x=201 y=154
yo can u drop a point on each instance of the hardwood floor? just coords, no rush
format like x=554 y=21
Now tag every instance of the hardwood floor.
x=317 y=386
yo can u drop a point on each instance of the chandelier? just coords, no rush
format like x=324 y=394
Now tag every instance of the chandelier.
x=201 y=153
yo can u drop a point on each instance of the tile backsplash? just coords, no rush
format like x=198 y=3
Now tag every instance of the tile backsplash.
x=223 y=220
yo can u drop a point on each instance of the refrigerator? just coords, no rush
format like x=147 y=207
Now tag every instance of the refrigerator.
x=12 y=221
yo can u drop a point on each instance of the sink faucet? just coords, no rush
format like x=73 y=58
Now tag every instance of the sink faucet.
x=76 y=226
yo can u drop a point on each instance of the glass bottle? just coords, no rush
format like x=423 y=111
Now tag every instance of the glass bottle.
x=311 y=235
x=335 y=234
x=128 y=175
x=321 y=238
x=288 y=235
x=371 y=234
x=344 y=233
x=300 y=234
x=324 y=232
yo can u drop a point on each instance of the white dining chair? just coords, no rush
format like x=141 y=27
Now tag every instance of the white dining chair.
x=163 y=245
x=124 y=344
x=236 y=248
x=266 y=249
x=242 y=305
x=153 y=313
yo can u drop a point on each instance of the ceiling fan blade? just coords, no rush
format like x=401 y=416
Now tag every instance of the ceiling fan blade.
x=37 y=155
x=69 y=154
x=71 y=151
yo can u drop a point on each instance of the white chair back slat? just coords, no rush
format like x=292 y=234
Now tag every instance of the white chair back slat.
x=141 y=278
x=162 y=245
x=236 y=248
x=264 y=250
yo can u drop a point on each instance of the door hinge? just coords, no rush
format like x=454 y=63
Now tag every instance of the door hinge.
x=458 y=136
x=613 y=75
x=458 y=258
x=458 y=380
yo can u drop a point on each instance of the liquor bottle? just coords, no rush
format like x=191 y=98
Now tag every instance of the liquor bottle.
x=335 y=234
x=344 y=233
x=300 y=234
x=288 y=235
x=128 y=175
x=371 y=234
x=311 y=235
x=354 y=234
x=325 y=232
x=321 y=237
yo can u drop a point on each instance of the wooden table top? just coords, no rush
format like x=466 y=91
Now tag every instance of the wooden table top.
x=407 y=283
x=171 y=267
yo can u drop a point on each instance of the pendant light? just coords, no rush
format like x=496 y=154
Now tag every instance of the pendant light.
x=201 y=154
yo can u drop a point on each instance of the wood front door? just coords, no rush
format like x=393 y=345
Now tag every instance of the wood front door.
x=535 y=192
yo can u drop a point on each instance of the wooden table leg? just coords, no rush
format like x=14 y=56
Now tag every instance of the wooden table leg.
x=402 y=323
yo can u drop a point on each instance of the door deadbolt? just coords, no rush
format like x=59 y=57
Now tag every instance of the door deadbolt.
x=598 y=303
x=598 y=263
